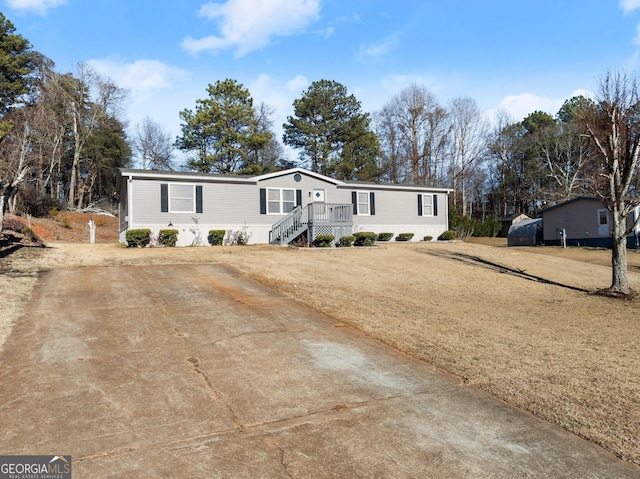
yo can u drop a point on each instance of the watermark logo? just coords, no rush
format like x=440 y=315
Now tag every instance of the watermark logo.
x=35 y=467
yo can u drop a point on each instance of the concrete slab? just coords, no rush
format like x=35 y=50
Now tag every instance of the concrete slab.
x=197 y=371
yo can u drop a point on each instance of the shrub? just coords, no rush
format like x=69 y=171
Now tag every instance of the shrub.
x=365 y=238
x=216 y=237
x=404 y=237
x=34 y=203
x=447 y=236
x=237 y=238
x=64 y=221
x=138 y=238
x=346 y=241
x=168 y=237
x=323 y=241
x=384 y=236
x=428 y=238
x=490 y=227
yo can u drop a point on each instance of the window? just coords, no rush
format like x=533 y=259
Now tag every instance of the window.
x=427 y=205
x=180 y=198
x=280 y=201
x=363 y=203
x=603 y=218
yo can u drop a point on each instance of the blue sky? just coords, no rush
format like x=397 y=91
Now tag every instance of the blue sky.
x=521 y=56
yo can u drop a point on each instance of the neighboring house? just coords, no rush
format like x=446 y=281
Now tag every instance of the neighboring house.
x=585 y=221
x=509 y=221
x=275 y=207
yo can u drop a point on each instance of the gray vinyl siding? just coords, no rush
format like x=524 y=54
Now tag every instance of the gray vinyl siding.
x=221 y=202
x=233 y=203
x=306 y=184
x=400 y=208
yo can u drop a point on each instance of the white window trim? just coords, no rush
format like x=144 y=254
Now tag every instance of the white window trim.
x=193 y=197
x=606 y=212
x=424 y=205
x=358 y=203
x=281 y=201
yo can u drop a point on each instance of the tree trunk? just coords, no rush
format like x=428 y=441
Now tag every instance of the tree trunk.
x=619 y=281
x=6 y=194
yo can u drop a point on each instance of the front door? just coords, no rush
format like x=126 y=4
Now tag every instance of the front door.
x=319 y=196
x=319 y=206
x=603 y=223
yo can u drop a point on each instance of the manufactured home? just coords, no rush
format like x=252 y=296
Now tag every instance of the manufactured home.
x=276 y=207
x=585 y=221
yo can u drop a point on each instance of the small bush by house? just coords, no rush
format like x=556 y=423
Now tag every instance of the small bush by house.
x=323 y=241
x=346 y=241
x=428 y=238
x=138 y=238
x=384 y=236
x=447 y=236
x=168 y=237
x=404 y=237
x=215 y=237
x=365 y=238
x=238 y=238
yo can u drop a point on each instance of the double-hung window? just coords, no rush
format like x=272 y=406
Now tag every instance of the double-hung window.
x=364 y=207
x=280 y=200
x=182 y=198
x=427 y=205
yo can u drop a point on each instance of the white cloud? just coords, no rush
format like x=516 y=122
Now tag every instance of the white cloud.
x=629 y=5
x=142 y=78
x=377 y=50
x=247 y=25
x=520 y=106
x=37 y=6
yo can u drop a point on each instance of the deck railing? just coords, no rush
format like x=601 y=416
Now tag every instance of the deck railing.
x=314 y=214
x=330 y=213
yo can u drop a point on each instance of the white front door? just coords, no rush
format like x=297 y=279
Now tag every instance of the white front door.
x=319 y=196
x=603 y=223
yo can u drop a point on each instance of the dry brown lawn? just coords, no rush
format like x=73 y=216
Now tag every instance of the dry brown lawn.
x=475 y=310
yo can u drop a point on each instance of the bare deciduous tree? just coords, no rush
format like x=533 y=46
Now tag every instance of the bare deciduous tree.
x=15 y=157
x=613 y=125
x=564 y=152
x=468 y=143
x=153 y=146
x=415 y=134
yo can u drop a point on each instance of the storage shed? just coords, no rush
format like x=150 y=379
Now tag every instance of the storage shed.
x=509 y=221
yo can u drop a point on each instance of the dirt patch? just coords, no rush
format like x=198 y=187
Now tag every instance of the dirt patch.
x=512 y=321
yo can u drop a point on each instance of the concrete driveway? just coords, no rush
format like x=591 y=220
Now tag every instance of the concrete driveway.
x=194 y=371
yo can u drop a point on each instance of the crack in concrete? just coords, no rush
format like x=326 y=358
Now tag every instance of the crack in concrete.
x=196 y=368
x=247 y=428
